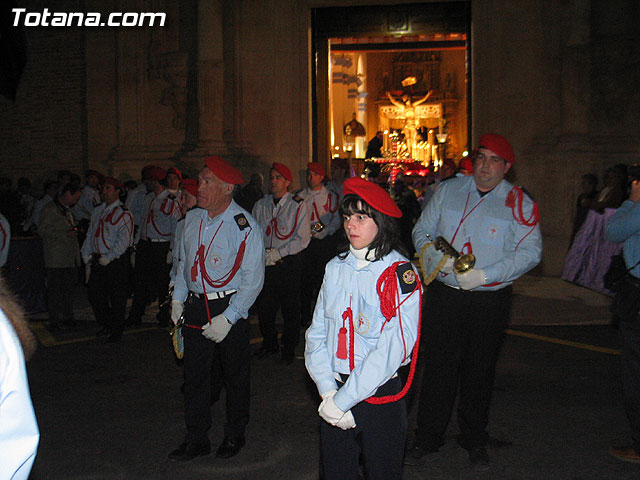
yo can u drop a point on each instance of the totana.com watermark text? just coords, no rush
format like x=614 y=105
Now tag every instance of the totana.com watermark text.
x=86 y=19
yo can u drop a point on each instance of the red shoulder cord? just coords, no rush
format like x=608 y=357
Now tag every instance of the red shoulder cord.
x=387 y=288
x=328 y=206
x=514 y=201
x=199 y=264
x=162 y=209
x=109 y=219
x=273 y=224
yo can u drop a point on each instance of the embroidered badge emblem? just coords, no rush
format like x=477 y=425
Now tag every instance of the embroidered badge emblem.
x=362 y=325
x=409 y=277
x=493 y=232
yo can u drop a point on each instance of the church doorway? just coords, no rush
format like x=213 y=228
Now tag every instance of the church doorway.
x=392 y=78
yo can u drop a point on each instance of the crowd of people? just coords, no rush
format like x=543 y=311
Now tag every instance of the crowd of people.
x=335 y=259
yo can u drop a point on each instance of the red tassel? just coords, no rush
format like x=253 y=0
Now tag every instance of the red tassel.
x=342 y=344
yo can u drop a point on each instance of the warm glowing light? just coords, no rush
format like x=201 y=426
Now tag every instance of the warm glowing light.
x=465 y=154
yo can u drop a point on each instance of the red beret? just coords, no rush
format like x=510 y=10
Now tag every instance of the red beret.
x=283 y=170
x=316 y=168
x=155 y=173
x=498 y=145
x=175 y=171
x=114 y=182
x=373 y=194
x=223 y=170
x=466 y=164
x=190 y=185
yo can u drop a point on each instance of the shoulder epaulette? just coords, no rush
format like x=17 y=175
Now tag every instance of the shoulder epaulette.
x=524 y=190
x=406 y=277
x=241 y=221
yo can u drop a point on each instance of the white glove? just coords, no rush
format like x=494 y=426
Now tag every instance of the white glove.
x=104 y=261
x=448 y=266
x=85 y=259
x=347 y=421
x=132 y=259
x=272 y=257
x=177 y=307
x=169 y=257
x=172 y=283
x=328 y=409
x=471 y=279
x=217 y=330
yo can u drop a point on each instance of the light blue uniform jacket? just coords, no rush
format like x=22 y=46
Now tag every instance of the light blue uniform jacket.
x=624 y=226
x=503 y=248
x=221 y=253
x=377 y=354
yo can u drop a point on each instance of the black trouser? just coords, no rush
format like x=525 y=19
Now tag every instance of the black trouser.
x=281 y=289
x=232 y=358
x=60 y=285
x=380 y=435
x=108 y=293
x=630 y=342
x=314 y=260
x=462 y=334
x=151 y=277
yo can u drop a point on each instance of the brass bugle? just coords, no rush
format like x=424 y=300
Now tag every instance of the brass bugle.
x=462 y=263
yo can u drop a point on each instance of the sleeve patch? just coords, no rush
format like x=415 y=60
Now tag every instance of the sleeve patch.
x=241 y=221
x=406 y=277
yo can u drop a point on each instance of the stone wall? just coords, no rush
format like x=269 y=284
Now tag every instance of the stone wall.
x=558 y=78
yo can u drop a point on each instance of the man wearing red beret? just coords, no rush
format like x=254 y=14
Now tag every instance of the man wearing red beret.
x=154 y=248
x=106 y=252
x=325 y=222
x=286 y=224
x=219 y=276
x=172 y=181
x=467 y=310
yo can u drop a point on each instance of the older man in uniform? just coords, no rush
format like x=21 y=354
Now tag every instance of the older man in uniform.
x=106 y=251
x=325 y=221
x=466 y=313
x=153 y=251
x=220 y=274
x=285 y=221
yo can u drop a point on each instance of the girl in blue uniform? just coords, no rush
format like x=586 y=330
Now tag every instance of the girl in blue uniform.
x=365 y=326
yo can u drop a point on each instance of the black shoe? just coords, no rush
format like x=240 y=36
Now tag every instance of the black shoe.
x=479 y=458
x=103 y=331
x=230 y=447
x=416 y=456
x=54 y=327
x=265 y=352
x=189 y=451
x=134 y=322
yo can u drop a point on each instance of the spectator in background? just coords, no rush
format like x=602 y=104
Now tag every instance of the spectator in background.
x=587 y=195
x=248 y=195
x=26 y=199
x=59 y=234
x=135 y=201
x=340 y=171
x=374 y=148
x=64 y=177
x=89 y=199
x=614 y=191
x=50 y=192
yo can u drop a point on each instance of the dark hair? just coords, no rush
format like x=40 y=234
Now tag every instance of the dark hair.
x=70 y=187
x=388 y=236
